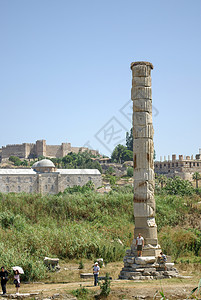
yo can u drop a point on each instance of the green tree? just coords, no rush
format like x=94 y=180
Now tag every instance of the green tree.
x=129 y=140
x=121 y=154
x=16 y=160
x=196 y=177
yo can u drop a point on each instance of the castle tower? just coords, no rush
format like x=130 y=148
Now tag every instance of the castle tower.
x=41 y=148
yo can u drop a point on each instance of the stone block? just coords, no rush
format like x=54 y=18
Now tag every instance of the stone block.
x=141 y=70
x=146 y=273
x=86 y=275
x=140 y=92
x=150 y=270
x=151 y=241
x=145 y=260
x=144 y=174
x=134 y=266
x=143 y=131
x=142 y=210
x=130 y=260
x=143 y=160
x=141 y=81
x=134 y=277
x=142 y=119
x=169 y=265
x=140 y=270
x=142 y=105
x=149 y=232
x=155 y=273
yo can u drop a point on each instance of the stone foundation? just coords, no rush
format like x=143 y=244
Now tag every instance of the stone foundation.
x=146 y=268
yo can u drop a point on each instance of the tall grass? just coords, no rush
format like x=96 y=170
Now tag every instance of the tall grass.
x=83 y=225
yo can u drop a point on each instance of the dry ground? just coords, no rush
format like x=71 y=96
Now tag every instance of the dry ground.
x=68 y=279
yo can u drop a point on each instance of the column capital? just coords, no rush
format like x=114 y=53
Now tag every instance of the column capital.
x=145 y=63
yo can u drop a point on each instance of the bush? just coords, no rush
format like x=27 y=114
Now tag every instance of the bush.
x=178 y=186
x=105 y=286
x=130 y=171
x=81 y=265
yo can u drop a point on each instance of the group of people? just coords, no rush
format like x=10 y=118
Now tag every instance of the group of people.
x=4 y=280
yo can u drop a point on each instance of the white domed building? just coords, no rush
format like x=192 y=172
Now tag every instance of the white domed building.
x=44 y=178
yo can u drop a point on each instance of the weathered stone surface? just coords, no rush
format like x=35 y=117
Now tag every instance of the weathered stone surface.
x=86 y=275
x=52 y=263
x=142 y=105
x=142 y=119
x=145 y=260
x=141 y=92
x=143 y=131
x=141 y=81
x=130 y=260
x=140 y=70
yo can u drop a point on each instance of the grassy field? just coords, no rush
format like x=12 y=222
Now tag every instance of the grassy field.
x=90 y=225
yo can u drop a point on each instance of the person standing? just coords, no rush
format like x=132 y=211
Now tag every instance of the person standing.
x=96 y=269
x=4 y=279
x=17 y=281
x=139 y=244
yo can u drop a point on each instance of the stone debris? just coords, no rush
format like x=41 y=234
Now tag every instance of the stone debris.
x=148 y=270
x=86 y=275
x=52 y=263
x=16 y=296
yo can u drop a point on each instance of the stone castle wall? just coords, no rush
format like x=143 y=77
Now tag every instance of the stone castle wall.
x=30 y=150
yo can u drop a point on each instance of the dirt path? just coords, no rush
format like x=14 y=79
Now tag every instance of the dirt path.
x=120 y=289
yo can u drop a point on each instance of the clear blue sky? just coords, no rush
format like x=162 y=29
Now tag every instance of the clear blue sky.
x=65 y=71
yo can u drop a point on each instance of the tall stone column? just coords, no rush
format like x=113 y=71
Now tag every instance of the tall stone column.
x=144 y=202
x=147 y=266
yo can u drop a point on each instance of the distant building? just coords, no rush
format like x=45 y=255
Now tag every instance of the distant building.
x=183 y=167
x=44 y=178
x=40 y=148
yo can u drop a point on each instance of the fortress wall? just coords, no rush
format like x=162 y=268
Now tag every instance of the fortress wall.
x=16 y=150
x=53 y=151
x=66 y=148
x=30 y=150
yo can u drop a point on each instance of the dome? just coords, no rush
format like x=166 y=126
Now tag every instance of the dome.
x=44 y=164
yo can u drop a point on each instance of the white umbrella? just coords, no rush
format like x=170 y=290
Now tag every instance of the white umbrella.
x=19 y=269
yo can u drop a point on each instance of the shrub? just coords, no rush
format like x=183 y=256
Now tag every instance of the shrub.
x=178 y=186
x=130 y=171
x=81 y=265
x=105 y=286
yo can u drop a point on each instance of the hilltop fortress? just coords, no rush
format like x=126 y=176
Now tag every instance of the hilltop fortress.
x=40 y=148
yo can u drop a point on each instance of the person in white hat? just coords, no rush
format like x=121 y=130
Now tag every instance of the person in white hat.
x=96 y=269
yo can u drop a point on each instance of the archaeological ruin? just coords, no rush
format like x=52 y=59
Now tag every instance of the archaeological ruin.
x=145 y=266
x=184 y=166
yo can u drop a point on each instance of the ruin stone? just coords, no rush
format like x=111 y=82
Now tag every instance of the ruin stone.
x=147 y=266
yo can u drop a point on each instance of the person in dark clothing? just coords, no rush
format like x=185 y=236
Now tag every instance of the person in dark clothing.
x=4 y=279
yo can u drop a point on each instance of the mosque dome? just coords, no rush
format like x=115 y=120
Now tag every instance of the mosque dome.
x=44 y=165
